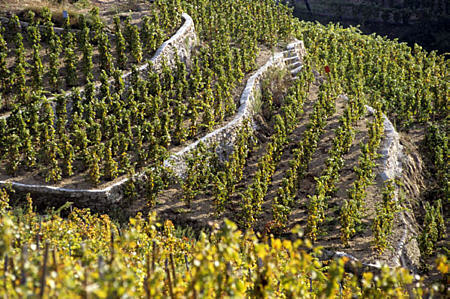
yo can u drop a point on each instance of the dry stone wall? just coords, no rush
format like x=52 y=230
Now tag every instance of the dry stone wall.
x=405 y=251
x=226 y=135
x=181 y=44
x=58 y=30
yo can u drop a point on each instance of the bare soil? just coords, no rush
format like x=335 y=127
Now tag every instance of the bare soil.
x=107 y=8
x=201 y=214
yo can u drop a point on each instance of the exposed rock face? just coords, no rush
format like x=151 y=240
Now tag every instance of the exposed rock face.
x=406 y=251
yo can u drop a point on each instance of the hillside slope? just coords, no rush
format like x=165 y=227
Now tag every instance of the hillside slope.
x=336 y=160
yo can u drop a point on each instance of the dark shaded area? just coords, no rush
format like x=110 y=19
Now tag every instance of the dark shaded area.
x=428 y=28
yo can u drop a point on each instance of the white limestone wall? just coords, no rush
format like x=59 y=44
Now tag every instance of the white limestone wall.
x=405 y=251
x=180 y=44
x=226 y=135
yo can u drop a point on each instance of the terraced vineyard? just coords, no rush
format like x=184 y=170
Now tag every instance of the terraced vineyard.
x=38 y=58
x=171 y=106
x=293 y=158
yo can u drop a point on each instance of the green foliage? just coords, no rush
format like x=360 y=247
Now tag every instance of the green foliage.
x=106 y=60
x=94 y=167
x=87 y=50
x=19 y=74
x=291 y=109
x=68 y=156
x=37 y=68
x=385 y=216
x=353 y=208
x=120 y=44
x=156 y=180
x=158 y=110
x=224 y=182
x=130 y=190
x=409 y=82
x=434 y=228
x=436 y=141
x=70 y=60
x=4 y=71
x=116 y=129
x=111 y=170
x=201 y=164
x=54 y=63
x=135 y=44
x=326 y=182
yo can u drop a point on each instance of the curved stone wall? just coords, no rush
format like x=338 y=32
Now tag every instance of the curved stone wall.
x=226 y=135
x=181 y=43
x=99 y=198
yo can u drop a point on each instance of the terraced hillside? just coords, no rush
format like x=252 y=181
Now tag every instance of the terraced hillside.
x=327 y=148
x=172 y=106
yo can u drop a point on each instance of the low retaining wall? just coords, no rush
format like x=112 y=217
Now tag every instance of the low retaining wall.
x=406 y=251
x=181 y=44
x=102 y=199
x=226 y=135
x=57 y=30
